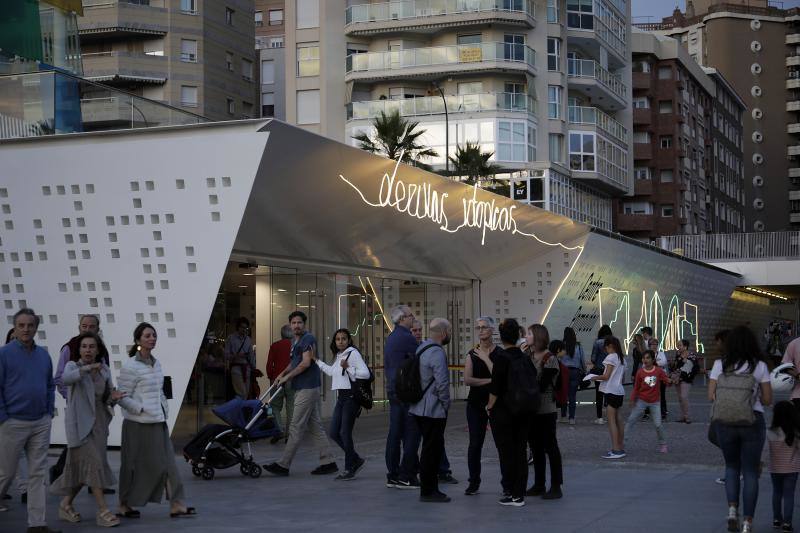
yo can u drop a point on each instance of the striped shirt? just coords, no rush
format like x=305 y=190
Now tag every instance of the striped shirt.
x=783 y=459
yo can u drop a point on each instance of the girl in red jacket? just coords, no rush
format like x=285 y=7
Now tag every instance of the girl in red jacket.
x=647 y=394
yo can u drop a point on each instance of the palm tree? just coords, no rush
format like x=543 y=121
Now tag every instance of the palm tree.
x=396 y=138
x=473 y=163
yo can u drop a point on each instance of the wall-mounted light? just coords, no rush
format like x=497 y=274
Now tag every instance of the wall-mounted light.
x=766 y=293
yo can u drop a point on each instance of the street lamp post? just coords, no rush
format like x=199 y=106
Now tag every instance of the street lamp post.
x=446 y=132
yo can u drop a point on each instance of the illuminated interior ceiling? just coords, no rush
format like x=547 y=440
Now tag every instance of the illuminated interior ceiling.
x=783 y=293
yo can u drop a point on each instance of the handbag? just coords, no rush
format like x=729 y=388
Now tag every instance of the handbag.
x=362 y=388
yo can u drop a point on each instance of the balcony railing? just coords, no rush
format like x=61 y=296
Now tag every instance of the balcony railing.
x=587 y=68
x=433 y=105
x=735 y=246
x=611 y=39
x=410 y=9
x=594 y=116
x=441 y=55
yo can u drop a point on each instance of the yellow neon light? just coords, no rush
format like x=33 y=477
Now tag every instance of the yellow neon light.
x=669 y=327
x=425 y=202
x=389 y=325
x=766 y=293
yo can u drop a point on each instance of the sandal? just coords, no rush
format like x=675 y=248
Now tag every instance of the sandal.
x=69 y=514
x=190 y=511
x=106 y=518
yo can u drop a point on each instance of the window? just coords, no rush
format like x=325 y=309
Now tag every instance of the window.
x=276 y=42
x=259 y=18
x=640 y=66
x=641 y=173
x=472 y=87
x=556 y=147
x=275 y=17
x=247 y=69
x=667 y=175
x=307 y=14
x=665 y=73
x=268 y=105
x=267 y=72
x=554 y=93
x=553 y=54
x=308 y=59
x=581 y=151
x=666 y=210
x=552 y=11
x=514 y=47
x=308 y=107
x=230 y=105
x=229 y=61
x=666 y=141
x=665 y=107
x=641 y=102
x=188 y=96
x=641 y=137
x=189 y=6
x=637 y=208
x=247 y=110
x=511 y=145
x=229 y=16
x=188 y=51
x=580 y=14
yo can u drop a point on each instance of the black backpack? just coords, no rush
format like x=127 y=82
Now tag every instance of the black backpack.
x=408 y=381
x=522 y=396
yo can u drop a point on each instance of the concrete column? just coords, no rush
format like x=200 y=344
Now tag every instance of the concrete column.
x=262 y=328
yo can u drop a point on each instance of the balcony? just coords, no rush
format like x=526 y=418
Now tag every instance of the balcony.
x=642 y=117
x=110 y=67
x=793 y=127
x=793 y=38
x=433 y=105
x=794 y=173
x=430 y=16
x=104 y=20
x=436 y=62
x=635 y=223
x=792 y=60
x=793 y=150
x=590 y=31
x=642 y=151
x=793 y=83
x=598 y=83
x=595 y=117
x=793 y=105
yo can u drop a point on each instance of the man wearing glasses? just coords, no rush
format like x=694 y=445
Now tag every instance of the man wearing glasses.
x=400 y=345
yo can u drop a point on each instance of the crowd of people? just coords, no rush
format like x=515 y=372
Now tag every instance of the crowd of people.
x=520 y=388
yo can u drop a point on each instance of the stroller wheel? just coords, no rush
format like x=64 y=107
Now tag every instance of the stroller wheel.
x=196 y=471
x=255 y=471
x=208 y=473
x=244 y=468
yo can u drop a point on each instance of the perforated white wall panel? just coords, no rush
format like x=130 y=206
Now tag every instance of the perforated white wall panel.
x=133 y=227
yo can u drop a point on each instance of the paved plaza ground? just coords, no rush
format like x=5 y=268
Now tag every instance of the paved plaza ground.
x=646 y=491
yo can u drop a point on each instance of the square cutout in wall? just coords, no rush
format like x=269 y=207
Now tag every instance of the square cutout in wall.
x=154 y=219
x=168 y=317
x=180 y=184
x=86 y=254
x=159 y=251
x=83 y=238
x=40 y=239
x=226 y=181
x=62 y=287
x=144 y=252
x=110 y=318
x=215 y=216
x=147 y=269
x=73 y=271
x=105 y=286
x=81 y=222
x=37 y=223
x=78 y=205
x=71 y=255
x=156 y=235
x=60 y=190
x=153 y=317
x=162 y=268
x=90 y=188
x=46 y=190
x=91 y=286
x=115 y=253
x=164 y=284
x=151 y=300
x=149 y=284
x=213 y=199
x=139 y=317
x=109 y=221
x=92 y=302
x=189 y=251
x=28 y=256
x=170 y=218
x=134 y=186
x=211 y=182
x=149 y=185
x=9 y=225
x=124 y=220
x=137 y=203
x=112 y=237
x=43 y=256
x=192 y=267
x=139 y=219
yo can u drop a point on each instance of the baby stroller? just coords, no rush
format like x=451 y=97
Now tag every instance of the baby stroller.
x=219 y=446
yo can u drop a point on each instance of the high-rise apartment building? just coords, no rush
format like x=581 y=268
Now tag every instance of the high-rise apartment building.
x=188 y=53
x=687 y=146
x=753 y=44
x=545 y=86
x=270 y=31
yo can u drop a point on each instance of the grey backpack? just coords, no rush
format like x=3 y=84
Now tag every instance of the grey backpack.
x=733 y=401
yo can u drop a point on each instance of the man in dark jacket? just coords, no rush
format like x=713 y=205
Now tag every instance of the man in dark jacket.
x=400 y=344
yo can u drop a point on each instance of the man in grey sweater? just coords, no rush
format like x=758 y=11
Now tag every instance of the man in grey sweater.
x=430 y=412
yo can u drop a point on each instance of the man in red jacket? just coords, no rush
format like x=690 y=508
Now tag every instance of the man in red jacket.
x=278 y=359
x=647 y=394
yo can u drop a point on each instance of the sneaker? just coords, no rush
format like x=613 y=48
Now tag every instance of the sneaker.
x=563 y=419
x=276 y=470
x=553 y=494
x=511 y=502
x=436 y=497
x=408 y=485
x=392 y=483
x=359 y=465
x=776 y=524
x=448 y=479
x=645 y=417
x=662 y=448
x=345 y=476
x=733 y=518
x=747 y=527
x=472 y=489
x=599 y=421
x=571 y=421
x=3 y=508
x=787 y=528
x=611 y=454
x=325 y=469
x=720 y=481
x=535 y=491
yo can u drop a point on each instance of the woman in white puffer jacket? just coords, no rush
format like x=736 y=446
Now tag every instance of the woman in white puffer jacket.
x=148 y=459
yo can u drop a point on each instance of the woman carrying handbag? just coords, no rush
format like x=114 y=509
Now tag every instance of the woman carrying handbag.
x=347 y=367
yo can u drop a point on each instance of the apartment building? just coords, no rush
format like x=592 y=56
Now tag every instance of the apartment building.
x=270 y=30
x=193 y=54
x=687 y=143
x=753 y=44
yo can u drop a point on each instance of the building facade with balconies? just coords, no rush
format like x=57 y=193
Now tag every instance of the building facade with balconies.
x=190 y=54
x=687 y=146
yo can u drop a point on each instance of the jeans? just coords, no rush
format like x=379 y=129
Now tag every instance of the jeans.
x=655 y=414
x=510 y=434
x=432 y=430
x=783 y=486
x=306 y=418
x=543 y=441
x=574 y=384
x=741 y=446
x=34 y=437
x=598 y=400
x=403 y=434
x=477 y=418
x=341 y=430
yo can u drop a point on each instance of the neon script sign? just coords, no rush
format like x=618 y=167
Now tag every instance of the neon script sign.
x=424 y=202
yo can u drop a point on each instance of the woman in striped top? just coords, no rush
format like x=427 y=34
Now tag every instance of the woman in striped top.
x=784 y=462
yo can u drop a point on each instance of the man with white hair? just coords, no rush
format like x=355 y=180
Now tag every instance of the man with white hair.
x=431 y=411
x=400 y=345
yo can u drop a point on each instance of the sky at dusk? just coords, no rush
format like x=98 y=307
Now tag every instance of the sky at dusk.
x=663 y=8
